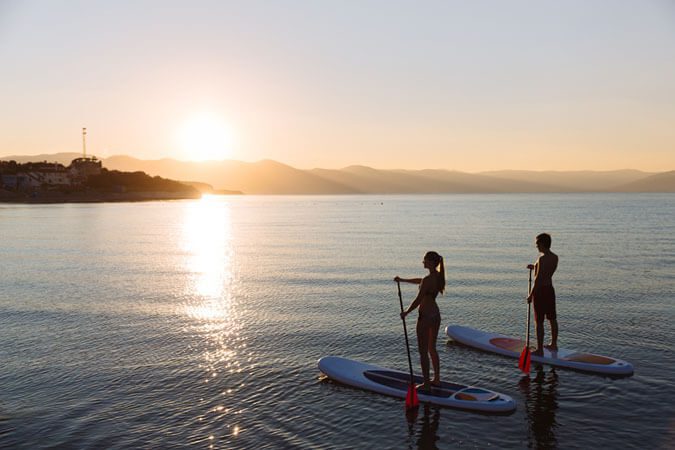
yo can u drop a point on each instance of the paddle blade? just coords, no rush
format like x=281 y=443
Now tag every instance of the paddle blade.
x=524 y=360
x=411 y=400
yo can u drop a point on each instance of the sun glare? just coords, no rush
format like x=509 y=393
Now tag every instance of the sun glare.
x=206 y=137
x=207 y=239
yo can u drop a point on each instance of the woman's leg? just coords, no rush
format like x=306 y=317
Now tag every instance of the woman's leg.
x=433 y=336
x=423 y=347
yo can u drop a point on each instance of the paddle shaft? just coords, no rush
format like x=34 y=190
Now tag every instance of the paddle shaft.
x=529 y=291
x=405 y=332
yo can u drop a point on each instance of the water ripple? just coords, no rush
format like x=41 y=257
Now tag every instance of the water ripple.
x=199 y=324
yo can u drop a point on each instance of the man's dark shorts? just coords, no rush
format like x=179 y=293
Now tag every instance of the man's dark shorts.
x=544 y=304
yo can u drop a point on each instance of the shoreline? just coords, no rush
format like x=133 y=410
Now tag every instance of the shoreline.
x=95 y=197
x=9 y=197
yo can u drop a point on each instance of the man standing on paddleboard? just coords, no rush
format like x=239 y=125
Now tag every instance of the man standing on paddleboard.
x=543 y=294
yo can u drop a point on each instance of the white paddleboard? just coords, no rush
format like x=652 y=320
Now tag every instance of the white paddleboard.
x=508 y=346
x=395 y=383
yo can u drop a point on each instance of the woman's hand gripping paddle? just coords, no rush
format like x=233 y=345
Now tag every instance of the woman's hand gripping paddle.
x=411 y=400
x=526 y=355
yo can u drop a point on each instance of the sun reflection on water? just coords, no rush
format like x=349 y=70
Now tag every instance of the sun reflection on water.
x=215 y=325
x=207 y=239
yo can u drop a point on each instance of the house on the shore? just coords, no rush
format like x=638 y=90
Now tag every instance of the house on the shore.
x=81 y=168
x=44 y=175
x=14 y=181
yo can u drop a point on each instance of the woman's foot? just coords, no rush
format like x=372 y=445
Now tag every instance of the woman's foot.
x=425 y=387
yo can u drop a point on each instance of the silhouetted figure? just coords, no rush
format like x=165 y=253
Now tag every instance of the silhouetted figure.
x=543 y=294
x=541 y=403
x=429 y=320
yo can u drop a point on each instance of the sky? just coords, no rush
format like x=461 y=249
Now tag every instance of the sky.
x=471 y=86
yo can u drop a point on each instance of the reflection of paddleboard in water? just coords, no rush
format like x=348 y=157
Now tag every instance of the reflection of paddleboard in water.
x=395 y=383
x=508 y=346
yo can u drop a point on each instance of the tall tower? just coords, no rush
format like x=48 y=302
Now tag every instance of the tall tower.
x=84 y=142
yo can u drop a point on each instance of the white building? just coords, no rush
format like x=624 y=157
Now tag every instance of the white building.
x=81 y=168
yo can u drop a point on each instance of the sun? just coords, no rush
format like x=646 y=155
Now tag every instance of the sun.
x=206 y=137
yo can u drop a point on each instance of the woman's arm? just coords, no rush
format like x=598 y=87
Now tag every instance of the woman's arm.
x=409 y=280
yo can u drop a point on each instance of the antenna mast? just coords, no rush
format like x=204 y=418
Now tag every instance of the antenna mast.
x=84 y=142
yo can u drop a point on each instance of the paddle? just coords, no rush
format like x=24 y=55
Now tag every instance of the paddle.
x=411 y=400
x=525 y=355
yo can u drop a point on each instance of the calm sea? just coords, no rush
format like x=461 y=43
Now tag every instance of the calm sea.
x=199 y=323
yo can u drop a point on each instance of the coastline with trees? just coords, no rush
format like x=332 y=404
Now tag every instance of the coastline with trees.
x=85 y=180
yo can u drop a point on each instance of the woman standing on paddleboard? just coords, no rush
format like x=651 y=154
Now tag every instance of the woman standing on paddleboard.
x=429 y=320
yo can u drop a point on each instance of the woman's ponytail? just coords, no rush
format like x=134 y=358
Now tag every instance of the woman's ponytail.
x=442 y=274
x=439 y=267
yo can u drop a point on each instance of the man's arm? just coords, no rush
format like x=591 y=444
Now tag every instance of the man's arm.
x=537 y=273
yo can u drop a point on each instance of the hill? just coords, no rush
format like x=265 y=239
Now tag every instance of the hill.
x=573 y=181
x=373 y=181
x=262 y=177
x=661 y=182
x=271 y=177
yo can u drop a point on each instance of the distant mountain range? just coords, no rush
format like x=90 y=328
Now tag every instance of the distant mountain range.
x=271 y=177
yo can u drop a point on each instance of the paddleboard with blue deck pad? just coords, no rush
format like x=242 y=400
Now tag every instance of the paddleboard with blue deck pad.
x=395 y=383
x=508 y=346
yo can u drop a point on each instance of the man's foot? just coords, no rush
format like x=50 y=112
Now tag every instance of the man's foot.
x=538 y=352
x=551 y=347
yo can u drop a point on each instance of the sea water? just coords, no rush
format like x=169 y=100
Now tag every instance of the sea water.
x=199 y=323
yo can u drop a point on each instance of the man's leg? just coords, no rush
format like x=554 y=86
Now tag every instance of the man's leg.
x=540 y=338
x=554 y=334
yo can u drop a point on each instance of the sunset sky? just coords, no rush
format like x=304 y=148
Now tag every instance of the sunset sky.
x=464 y=85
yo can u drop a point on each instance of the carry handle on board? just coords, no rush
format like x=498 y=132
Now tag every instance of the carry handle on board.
x=411 y=400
